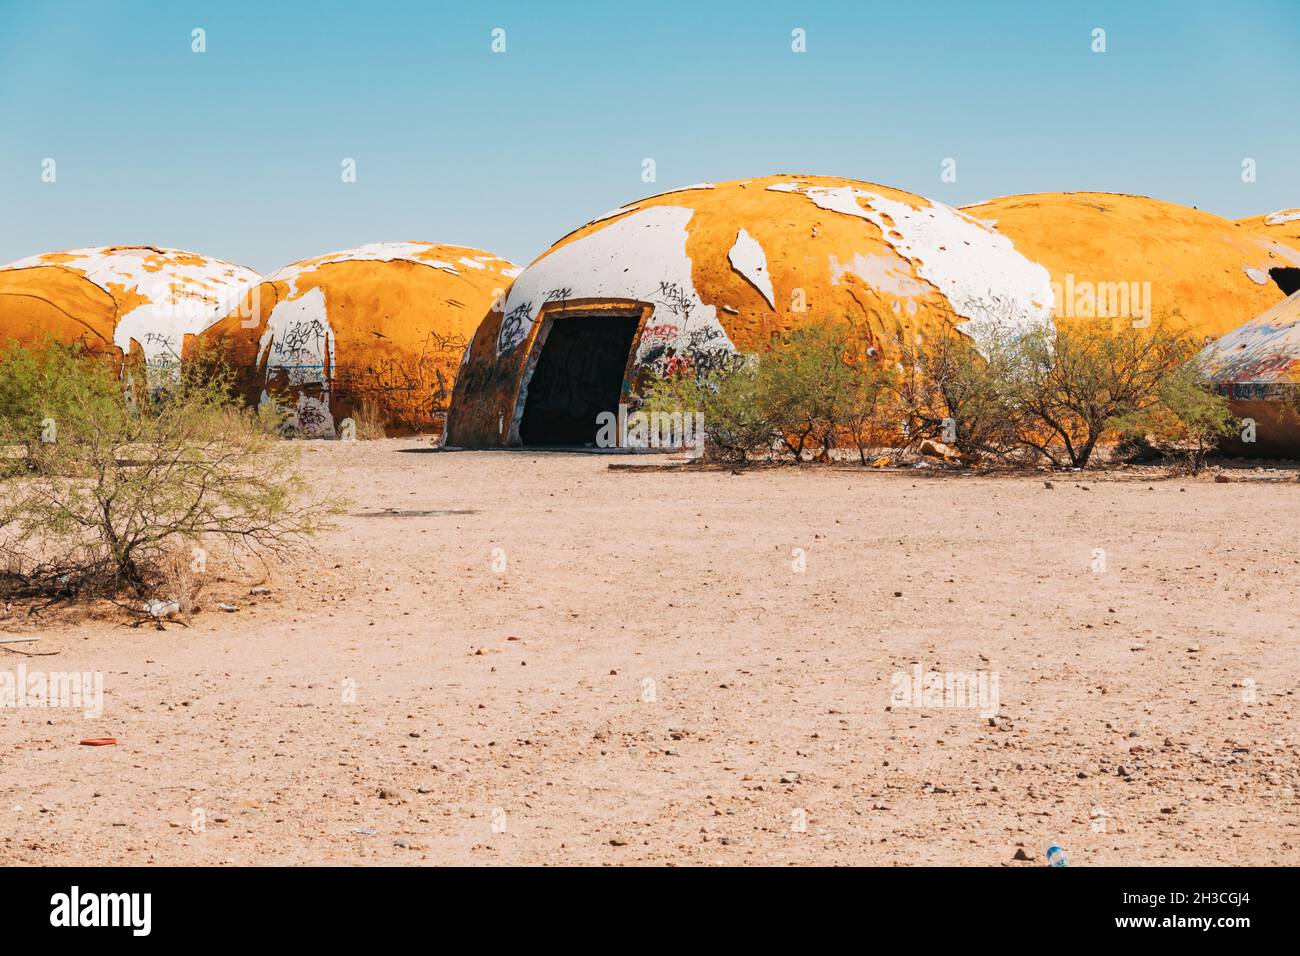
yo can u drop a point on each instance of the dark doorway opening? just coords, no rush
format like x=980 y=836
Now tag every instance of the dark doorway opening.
x=1287 y=279
x=579 y=375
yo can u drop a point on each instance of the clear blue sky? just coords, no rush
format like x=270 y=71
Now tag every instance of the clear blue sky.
x=236 y=152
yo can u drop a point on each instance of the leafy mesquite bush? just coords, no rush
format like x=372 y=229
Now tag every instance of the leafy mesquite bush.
x=99 y=486
x=1090 y=378
x=735 y=427
x=1045 y=395
x=950 y=391
x=803 y=397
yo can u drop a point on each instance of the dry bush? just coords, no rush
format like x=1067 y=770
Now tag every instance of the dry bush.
x=1016 y=397
x=181 y=575
x=1089 y=378
x=952 y=392
x=368 y=421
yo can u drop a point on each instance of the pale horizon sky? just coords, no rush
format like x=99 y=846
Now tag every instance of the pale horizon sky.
x=237 y=152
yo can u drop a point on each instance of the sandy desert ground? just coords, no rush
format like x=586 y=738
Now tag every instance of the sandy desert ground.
x=651 y=680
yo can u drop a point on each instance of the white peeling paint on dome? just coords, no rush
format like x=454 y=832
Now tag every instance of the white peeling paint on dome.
x=481 y=262
x=748 y=258
x=640 y=258
x=621 y=210
x=885 y=273
x=614 y=212
x=141 y=266
x=1257 y=276
x=504 y=266
x=978 y=270
x=296 y=349
x=184 y=292
x=420 y=253
x=1281 y=217
x=1272 y=249
x=371 y=252
x=1279 y=250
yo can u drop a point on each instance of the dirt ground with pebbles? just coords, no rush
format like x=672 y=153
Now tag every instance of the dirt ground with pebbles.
x=650 y=679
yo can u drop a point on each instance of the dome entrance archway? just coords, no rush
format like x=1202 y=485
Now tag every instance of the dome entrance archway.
x=580 y=370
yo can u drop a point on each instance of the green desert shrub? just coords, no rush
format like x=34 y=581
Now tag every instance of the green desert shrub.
x=1090 y=378
x=1187 y=421
x=820 y=393
x=98 y=487
x=1015 y=396
x=735 y=428
x=949 y=391
x=802 y=397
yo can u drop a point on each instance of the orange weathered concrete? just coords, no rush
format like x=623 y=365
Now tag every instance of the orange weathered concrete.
x=120 y=300
x=1212 y=271
x=1280 y=226
x=714 y=271
x=383 y=325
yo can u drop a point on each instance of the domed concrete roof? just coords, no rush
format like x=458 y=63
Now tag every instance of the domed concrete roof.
x=1263 y=351
x=715 y=270
x=384 y=324
x=1108 y=249
x=139 y=299
x=1257 y=365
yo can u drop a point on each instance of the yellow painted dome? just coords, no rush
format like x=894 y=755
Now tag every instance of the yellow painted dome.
x=384 y=325
x=1125 y=255
x=695 y=277
x=125 y=300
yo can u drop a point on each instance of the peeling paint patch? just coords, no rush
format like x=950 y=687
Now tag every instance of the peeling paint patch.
x=614 y=212
x=297 y=349
x=1276 y=250
x=1264 y=351
x=748 y=258
x=881 y=272
x=1284 y=216
x=420 y=253
x=1257 y=276
x=978 y=270
x=162 y=295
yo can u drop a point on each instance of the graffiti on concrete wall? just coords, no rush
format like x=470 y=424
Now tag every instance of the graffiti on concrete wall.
x=641 y=258
x=411 y=391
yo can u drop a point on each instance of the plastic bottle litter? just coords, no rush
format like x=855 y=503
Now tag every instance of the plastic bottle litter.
x=162 y=609
x=1056 y=855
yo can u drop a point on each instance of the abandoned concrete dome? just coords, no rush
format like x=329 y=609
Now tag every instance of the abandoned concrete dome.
x=1258 y=367
x=380 y=327
x=694 y=277
x=127 y=300
x=1120 y=256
